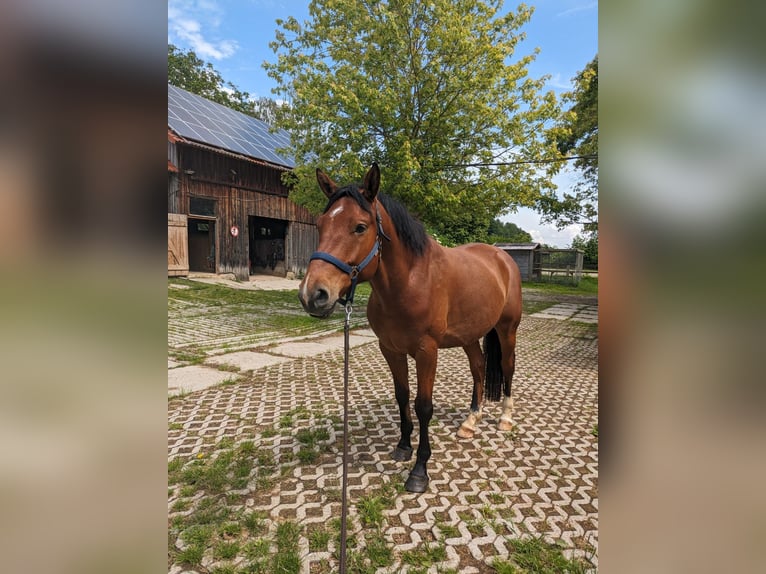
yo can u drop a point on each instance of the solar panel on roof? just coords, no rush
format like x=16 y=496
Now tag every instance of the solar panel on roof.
x=196 y=118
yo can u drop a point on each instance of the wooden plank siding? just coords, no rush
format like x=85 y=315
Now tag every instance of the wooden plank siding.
x=178 y=251
x=241 y=189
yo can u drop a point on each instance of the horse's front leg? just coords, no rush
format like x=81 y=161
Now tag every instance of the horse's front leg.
x=397 y=362
x=425 y=362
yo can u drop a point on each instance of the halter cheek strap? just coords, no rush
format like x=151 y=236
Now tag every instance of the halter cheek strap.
x=354 y=270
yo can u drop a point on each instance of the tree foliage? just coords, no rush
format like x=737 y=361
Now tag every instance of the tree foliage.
x=423 y=88
x=189 y=72
x=507 y=232
x=589 y=244
x=576 y=134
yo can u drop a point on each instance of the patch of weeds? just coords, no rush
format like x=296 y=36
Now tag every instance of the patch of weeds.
x=475 y=527
x=189 y=356
x=370 y=509
x=286 y=422
x=198 y=534
x=174 y=466
x=254 y=522
x=226 y=550
x=310 y=437
x=209 y=511
x=181 y=505
x=225 y=443
x=594 y=430
x=496 y=498
x=228 y=368
x=307 y=455
x=228 y=382
x=425 y=555
x=448 y=530
x=268 y=433
x=378 y=550
x=187 y=491
x=537 y=556
x=230 y=530
x=487 y=511
x=224 y=569
x=176 y=426
x=318 y=539
x=287 y=559
x=256 y=549
x=191 y=555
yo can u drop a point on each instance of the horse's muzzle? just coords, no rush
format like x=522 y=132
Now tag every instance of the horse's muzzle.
x=318 y=303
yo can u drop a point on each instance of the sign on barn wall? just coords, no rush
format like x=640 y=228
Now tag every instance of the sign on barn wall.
x=178 y=248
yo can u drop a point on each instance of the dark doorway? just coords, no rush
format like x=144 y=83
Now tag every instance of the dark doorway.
x=267 y=245
x=202 y=245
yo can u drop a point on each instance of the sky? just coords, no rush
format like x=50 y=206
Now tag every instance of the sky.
x=235 y=36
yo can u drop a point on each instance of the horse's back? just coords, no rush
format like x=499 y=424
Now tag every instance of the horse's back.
x=482 y=285
x=489 y=263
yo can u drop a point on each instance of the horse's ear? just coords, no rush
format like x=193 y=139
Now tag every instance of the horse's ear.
x=371 y=182
x=328 y=186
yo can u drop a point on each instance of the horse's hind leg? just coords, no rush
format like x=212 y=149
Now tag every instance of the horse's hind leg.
x=508 y=360
x=476 y=362
x=397 y=362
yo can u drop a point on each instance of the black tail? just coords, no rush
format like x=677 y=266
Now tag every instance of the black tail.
x=494 y=380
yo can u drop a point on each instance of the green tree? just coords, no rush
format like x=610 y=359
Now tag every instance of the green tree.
x=576 y=134
x=589 y=244
x=187 y=71
x=424 y=89
x=507 y=232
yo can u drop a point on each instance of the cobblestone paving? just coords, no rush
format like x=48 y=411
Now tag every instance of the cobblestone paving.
x=540 y=479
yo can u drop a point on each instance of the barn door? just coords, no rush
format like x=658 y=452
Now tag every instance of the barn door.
x=178 y=253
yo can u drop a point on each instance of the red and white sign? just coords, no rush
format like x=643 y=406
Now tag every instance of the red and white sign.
x=234 y=230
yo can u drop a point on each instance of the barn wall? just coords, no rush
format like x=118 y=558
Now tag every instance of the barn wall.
x=524 y=260
x=243 y=189
x=302 y=241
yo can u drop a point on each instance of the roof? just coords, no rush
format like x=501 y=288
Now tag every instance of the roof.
x=200 y=120
x=517 y=246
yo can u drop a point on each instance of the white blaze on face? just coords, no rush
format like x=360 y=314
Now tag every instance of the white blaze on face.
x=335 y=212
x=304 y=287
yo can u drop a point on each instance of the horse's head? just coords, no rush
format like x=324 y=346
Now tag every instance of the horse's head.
x=348 y=241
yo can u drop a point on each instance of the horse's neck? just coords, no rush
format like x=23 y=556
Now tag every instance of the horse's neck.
x=397 y=262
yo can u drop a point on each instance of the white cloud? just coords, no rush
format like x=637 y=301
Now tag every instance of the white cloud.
x=578 y=8
x=558 y=83
x=186 y=21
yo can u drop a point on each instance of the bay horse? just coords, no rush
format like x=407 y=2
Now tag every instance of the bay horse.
x=424 y=297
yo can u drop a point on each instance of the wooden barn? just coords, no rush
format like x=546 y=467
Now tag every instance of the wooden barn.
x=228 y=210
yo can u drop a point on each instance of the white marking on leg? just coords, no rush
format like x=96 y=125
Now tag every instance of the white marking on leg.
x=506 y=418
x=468 y=427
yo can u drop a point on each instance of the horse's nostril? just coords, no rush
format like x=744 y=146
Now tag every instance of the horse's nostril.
x=321 y=297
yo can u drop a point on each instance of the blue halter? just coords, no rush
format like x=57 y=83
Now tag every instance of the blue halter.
x=354 y=270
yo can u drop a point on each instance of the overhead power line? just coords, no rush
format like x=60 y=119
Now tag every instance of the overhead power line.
x=520 y=162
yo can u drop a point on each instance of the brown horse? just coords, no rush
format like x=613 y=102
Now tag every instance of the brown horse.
x=424 y=297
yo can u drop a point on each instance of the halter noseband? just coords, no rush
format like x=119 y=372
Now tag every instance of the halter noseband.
x=354 y=270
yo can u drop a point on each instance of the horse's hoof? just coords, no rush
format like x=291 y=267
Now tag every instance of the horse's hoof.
x=416 y=483
x=401 y=454
x=505 y=425
x=465 y=432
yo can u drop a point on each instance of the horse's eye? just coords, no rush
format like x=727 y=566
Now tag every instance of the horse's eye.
x=361 y=228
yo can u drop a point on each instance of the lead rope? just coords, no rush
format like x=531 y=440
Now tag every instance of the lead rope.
x=344 y=500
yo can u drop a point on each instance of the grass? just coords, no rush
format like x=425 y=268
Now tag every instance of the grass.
x=425 y=555
x=539 y=557
x=271 y=310
x=587 y=286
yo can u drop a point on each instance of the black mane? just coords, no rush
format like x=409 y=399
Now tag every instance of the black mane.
x=410 y=231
